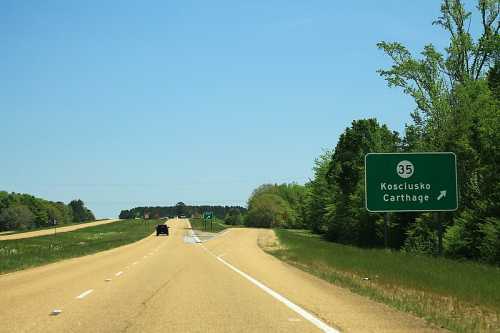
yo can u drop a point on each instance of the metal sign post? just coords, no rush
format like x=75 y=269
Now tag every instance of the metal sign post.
x=146 y=217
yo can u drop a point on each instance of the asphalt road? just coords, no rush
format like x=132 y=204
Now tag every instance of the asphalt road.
x=45 y=232
x=173 y=284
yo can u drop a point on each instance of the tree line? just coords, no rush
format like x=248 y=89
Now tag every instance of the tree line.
x=181 y=209
x=456 y=94
x=24 y=212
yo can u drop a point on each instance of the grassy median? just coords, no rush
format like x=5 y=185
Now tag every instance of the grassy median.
x=460 y=296
x=12 y=232
x=199 y=224
x=30 y=252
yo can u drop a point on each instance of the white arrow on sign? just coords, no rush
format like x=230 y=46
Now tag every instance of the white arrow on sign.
x=442 y=194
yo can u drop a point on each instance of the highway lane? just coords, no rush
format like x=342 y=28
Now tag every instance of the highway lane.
x=45 y=232
x=164 y=284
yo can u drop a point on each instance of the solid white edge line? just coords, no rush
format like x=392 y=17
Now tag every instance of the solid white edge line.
x=306 y=315
x=85 y=294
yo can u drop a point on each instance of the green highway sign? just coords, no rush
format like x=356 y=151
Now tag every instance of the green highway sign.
x=208 y=215
x=411 y=182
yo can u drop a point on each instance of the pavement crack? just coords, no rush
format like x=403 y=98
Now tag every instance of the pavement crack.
x=144 y=303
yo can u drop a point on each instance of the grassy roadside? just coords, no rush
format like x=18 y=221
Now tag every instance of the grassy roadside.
x=218 y=225
x=30 y=252
x=460 y=296
x=12 y=232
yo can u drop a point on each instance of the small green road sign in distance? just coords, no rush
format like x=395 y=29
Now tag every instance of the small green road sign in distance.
x=409 y=182
x=208 y=215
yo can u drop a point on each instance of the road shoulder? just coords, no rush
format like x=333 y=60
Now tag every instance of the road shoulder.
x=336 y=306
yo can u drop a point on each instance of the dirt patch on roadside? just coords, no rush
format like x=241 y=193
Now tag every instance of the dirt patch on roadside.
x=268 y=241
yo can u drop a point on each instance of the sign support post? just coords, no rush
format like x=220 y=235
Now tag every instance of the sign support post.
x=439 y=225
x=386 y=222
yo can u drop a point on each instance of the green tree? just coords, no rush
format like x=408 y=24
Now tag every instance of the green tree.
x=430 y=80
x=490 y=243
x=36 y=206
x=350 y=222
x=456 y=97
x=44 y=212
x=295 y=196
x=66 y=212
x=16 y=217
x=233 y=217
x=4 y=200
x=180 y=209
x=269 y=211
x=320 y=202
x=126 y=214
x=494 y=80
x=287 y=202
x=80 y=212
x=422 y=237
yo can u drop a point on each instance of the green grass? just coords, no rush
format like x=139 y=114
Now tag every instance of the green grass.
x=461 y=296
x=36 y=251
x=20 y=231
x=198 y=224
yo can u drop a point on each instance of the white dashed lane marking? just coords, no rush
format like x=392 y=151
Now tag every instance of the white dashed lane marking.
x=119 y=273
x=56 y=312
x=85 y=294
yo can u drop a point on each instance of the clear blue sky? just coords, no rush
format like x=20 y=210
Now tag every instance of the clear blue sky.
x=127 y=103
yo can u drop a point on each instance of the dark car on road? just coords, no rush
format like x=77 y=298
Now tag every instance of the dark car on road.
x=161 y=229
